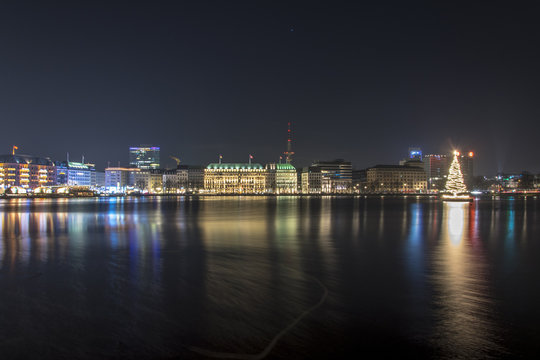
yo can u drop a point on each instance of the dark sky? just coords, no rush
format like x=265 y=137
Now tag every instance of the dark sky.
x=361 y=82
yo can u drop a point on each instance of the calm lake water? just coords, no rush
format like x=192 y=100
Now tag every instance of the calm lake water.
x=180 y=277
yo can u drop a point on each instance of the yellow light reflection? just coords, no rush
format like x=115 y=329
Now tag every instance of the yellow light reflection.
x=463 y=301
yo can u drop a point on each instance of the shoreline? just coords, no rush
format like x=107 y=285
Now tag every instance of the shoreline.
x=379 y=195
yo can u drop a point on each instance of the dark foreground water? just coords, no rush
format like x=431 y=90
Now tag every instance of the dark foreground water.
x=177 y=277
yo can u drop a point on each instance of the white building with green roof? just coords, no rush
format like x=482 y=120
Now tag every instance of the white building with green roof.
x=281 y=179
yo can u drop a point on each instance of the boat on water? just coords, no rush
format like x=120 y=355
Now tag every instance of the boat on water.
x=457 y=198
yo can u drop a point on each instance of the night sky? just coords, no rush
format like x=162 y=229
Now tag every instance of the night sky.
x=361 y=82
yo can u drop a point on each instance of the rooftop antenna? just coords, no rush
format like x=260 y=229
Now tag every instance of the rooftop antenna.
x=67 y=157
x=108 y=164
x=14 y=148
x=289 y=153
x=83 y=159
x=220 y=158
x=250 y=157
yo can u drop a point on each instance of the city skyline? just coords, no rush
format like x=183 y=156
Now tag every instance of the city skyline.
x=358 y=81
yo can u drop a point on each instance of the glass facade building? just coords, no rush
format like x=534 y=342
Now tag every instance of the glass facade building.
x=144 y=157
x=74 y=173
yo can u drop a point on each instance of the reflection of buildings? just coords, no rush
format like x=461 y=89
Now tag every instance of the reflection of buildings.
x=239 y=178
x=144 y=157
x=26 y=171
x=281 y=178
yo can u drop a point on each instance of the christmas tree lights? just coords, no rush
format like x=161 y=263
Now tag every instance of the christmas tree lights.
x=455 y=185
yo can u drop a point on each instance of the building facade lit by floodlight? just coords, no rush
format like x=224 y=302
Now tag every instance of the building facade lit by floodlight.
x=144 y=157
x=234 y=178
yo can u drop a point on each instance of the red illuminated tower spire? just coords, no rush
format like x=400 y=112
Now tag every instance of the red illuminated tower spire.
x=289 y=153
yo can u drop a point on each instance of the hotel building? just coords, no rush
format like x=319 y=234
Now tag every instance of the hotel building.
x=234 y=178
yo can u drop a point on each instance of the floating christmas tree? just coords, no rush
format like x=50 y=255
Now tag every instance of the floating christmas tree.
x=455 y=184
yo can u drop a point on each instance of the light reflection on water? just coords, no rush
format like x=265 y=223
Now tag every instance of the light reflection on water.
x=461 y=277
x=150 y=277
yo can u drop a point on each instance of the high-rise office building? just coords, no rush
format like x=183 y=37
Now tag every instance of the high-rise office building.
x=144 y=157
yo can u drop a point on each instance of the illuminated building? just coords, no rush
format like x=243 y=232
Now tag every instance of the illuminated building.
x=195 y=177
x=144 y=157
x=466 y=162
x=74 y=173
x=97 y=178
x=118 y=178
x=149 y=180
x=336 y=176
x=187 y=178
x=396 y=178
x=436 y=167
x=311 y=180
x=26 y=171
x=174 y=180
x=359 y=181
x=415 y=153
x=239 y=178
x=281 y=178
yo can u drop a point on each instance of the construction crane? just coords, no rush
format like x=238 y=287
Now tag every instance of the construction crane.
x=175 y=159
